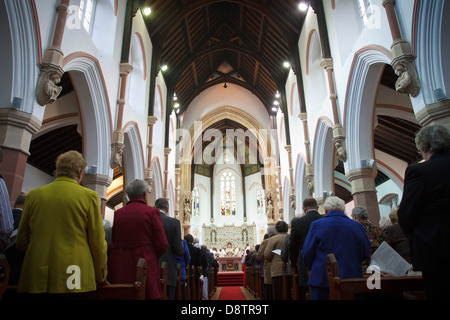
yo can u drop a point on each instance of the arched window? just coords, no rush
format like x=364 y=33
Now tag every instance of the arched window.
x=86 y=13
x=365 y=9
x=228 y=194
x=260 y=203
x=195 y=202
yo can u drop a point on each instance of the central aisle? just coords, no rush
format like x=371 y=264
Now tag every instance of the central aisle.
x=233 y=293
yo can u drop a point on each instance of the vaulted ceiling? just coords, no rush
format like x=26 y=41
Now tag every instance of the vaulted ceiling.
x=209 y=42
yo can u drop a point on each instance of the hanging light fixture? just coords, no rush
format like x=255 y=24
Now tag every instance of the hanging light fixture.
x=225 y=85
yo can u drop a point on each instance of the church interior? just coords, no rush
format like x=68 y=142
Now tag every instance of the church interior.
x=233 y=110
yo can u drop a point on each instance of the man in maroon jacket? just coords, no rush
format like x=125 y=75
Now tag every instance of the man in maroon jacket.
x=137 y=233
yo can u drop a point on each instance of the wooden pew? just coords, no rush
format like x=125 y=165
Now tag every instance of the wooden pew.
x=132 y=291
x=4 y=274
x=346 y=289
x=125 y=291
x=163 y=278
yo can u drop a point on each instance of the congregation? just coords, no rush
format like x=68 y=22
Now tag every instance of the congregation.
x=56 y=231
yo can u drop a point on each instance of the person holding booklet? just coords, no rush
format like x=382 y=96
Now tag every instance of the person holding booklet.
x=276 y=267
x=424 y=210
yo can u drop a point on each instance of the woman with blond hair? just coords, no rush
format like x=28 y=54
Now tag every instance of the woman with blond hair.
x=62 y=234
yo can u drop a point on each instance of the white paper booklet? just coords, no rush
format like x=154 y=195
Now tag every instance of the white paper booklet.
x=387 y=259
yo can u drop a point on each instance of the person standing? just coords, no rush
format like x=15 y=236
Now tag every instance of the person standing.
x=276 y=264
x=137 y=232
x=299 y=230
x=184 y=261
x=6 y=217
x=338 y=234
x=172 y=230
x=424 y=210
x=61 y=232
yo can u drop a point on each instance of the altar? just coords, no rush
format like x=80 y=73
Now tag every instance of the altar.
x=222 y=237
x=229 y=264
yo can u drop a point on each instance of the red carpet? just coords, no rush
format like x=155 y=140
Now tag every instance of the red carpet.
x=231 y=293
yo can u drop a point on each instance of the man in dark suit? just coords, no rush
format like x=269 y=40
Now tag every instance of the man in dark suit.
x=424 y=210
x=173 y=234
x=299 y=230
x=18 y=208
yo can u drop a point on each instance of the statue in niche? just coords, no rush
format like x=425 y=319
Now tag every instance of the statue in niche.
x=187 y=208
x=269 y=209
x=292 y=199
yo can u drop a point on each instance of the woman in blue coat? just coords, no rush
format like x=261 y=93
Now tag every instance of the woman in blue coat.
x=335 y=233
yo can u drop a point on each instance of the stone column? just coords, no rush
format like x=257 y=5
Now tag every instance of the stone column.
x=280 y=196
x=100 y=184
x=166 y=172
x=16 y=131
x=47 y=90
x=364 y=191
x=125 y=69
x=309 y=173
x=177 y=192
x=292 y=200
x=338 y=131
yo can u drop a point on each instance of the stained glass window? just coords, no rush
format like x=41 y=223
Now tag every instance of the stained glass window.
x=365 y=9
x=86 y=12
x=260 y=200
x=228 y=194
x=195 y=202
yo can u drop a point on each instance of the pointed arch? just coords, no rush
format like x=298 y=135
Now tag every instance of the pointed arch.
x=87 y=77
x=364 y=78
x=21 y=55
x=323 y=157
x=133 y=153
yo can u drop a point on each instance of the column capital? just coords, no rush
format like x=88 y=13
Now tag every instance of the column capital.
x=125 y=68
x=98 y=183
x=327 y=63
x=152 y=120
x=167 y=151
x=303 y=116
x=362 y=180
x=386 y=2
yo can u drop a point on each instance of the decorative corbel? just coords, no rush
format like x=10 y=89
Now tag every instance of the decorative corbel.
x=148 y=177
x=339 y=142
x=309 y=176
x=117 y=148
x=404 y=67
x=47 y=90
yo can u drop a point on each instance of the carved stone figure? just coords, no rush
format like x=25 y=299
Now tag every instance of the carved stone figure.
x=406 y=82
x=46 y=90
x=116 y=155
x=292 y=199
x=149 y=178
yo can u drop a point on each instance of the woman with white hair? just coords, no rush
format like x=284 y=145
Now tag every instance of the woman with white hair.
x=338 y=234
x=137 y=233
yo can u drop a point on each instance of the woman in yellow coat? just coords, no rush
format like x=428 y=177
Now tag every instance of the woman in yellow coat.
x=61 y=232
